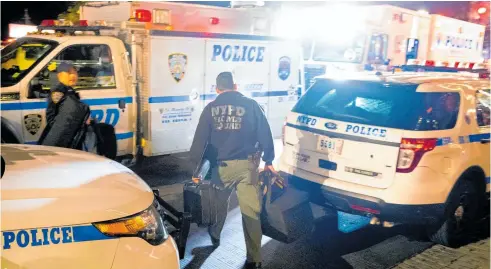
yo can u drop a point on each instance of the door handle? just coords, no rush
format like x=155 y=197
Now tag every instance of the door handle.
x=485 y=141
x=122 y=104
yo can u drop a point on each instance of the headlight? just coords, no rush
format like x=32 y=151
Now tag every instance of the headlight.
x=147 y=225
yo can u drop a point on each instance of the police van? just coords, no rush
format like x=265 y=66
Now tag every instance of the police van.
x=356 y=38
x=149 y=69
x=63 y=208
x=407 y=147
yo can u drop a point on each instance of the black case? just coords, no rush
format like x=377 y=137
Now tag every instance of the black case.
x=288 y=217
x=199 y=201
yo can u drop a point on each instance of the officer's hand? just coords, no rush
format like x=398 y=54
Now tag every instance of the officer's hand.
x=196 y=180
x=270 y=168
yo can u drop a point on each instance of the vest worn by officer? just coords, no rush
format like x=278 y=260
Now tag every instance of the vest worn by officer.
x=233 y=124
x=65 y=120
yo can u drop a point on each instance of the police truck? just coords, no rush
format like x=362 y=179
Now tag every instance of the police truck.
x=148 y=69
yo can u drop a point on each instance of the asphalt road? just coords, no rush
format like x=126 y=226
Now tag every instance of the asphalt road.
x=371 y=247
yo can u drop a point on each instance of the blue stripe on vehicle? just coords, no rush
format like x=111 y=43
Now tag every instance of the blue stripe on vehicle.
x=120 y=136
x=186 y=98
x=269 y=94
x=215 y=35
x=478 y=137
x=88 y=233
x=43 y=104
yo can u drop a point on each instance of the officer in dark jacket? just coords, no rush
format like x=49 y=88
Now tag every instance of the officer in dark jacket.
x=233 y=126
x=66 y=115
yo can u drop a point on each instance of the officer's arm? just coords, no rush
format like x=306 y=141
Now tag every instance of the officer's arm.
x=201 y=136
x=66 y=124
x=264 y=135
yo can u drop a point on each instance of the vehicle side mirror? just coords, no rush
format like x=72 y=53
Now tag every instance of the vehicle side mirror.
x=122 y=104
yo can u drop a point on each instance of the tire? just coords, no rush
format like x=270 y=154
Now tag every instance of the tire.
x=460 y=216
x=8 y=137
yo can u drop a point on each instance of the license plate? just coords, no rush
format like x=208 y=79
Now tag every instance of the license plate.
x=329 y=145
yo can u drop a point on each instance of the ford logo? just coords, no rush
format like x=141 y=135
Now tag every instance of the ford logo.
x=331 y=125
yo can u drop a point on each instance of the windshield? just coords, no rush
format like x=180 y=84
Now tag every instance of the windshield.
x=21 y=56
x=393 y=106
x=349 y=50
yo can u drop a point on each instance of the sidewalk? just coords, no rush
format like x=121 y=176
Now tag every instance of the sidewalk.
x=472 y=256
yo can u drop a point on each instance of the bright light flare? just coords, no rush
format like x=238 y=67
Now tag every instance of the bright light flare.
x=330 y=22
x=482 y=10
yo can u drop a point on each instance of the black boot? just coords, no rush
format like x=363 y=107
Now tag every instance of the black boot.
x=253 y=265
x=214 y=241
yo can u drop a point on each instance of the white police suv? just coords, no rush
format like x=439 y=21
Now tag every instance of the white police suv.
x=404 y=148
x=63 y=208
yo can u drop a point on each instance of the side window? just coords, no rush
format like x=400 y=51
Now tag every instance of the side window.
x=412 y=48
x=94 y=65
x=377 y=52
x=483 y=108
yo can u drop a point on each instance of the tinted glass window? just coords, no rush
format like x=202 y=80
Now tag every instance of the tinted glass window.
x=483 y=108
x=373 y=103
x=94 y=66
x=21 y=56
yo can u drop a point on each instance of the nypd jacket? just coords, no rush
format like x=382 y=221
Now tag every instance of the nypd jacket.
x=65 y=120
x=231 y=126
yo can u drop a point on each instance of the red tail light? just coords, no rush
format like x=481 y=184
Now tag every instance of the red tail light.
x=411 y=151
x=143 y=15
x=48 y=23
x=83 y=23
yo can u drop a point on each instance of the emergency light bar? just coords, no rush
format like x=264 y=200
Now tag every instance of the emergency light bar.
x=70 y=28
x=478 y=73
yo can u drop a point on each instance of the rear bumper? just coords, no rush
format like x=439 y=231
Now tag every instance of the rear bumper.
x=360 y=204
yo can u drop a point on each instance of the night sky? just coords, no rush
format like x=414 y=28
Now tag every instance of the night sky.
x=39 y=10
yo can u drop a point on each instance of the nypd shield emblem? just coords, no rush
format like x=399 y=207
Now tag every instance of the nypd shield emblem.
x=284 y=68
x=32 y=122
x=177 y=65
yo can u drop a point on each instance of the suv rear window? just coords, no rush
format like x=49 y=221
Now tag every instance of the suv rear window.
x=396 y=106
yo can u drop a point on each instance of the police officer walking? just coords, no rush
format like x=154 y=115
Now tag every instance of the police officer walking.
x=66 y=115
x=232 y=126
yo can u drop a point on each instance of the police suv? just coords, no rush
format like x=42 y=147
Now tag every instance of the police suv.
x=400 y=148
x=63 y=208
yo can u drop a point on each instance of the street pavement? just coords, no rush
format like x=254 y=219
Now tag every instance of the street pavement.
x=371 y=247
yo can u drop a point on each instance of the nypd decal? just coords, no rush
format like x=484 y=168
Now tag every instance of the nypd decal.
x=32 y=122
x=50 y=236
x=368 y=131
x=177 y=65
x=284 y=68
x=238 y=53
x=306 y=120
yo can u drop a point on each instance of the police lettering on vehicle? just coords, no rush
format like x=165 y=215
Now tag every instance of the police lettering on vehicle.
x=37 y=237
x=368 y=131
x=306 y=120
x=110 y=116
x=238 y=53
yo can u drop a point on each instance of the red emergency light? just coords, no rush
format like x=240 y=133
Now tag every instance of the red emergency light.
x=214 y=20
x=143 y=15
x=48 y=23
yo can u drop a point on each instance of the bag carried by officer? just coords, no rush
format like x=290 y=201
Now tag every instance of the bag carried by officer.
x=286 y=214
x=100 y=138
x=199 y=198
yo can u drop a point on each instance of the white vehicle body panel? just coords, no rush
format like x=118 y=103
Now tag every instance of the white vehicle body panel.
x=50 y=199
